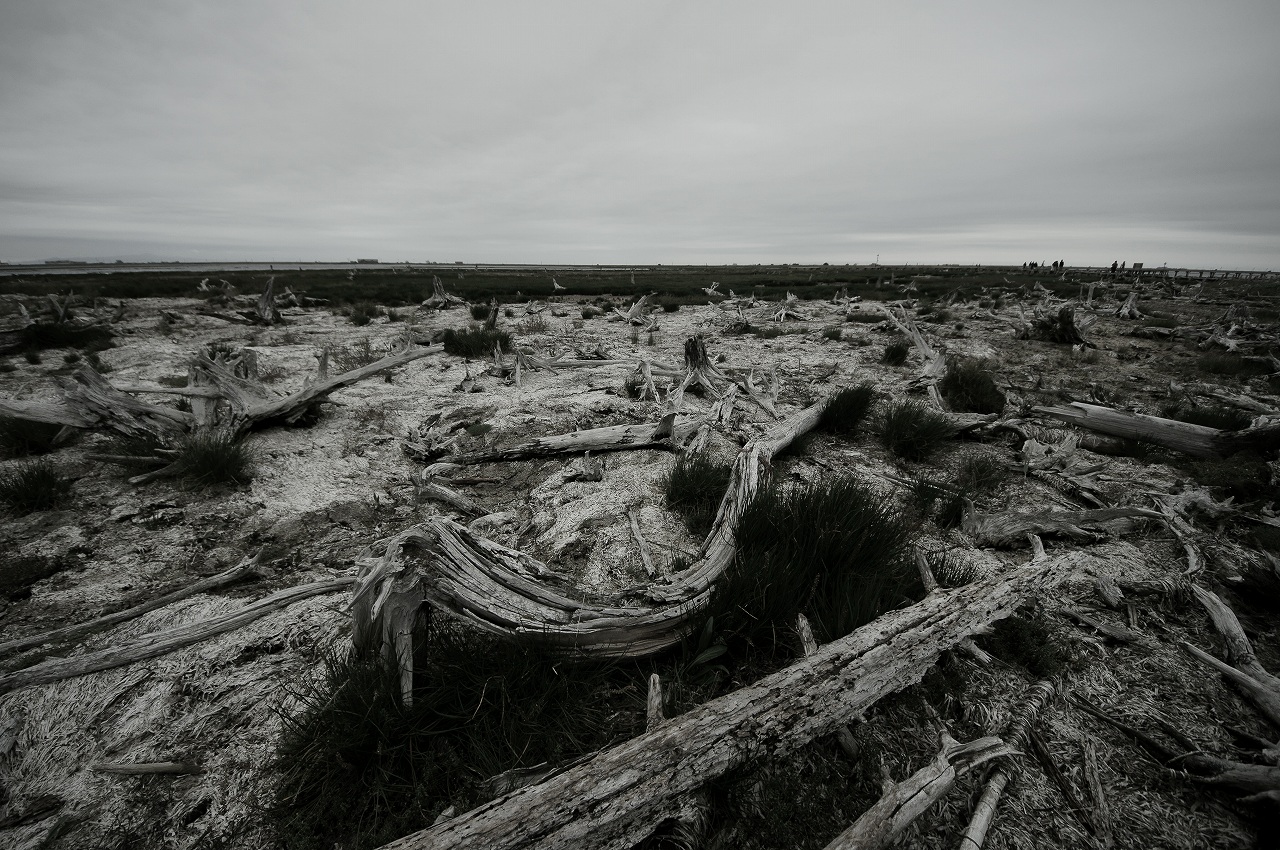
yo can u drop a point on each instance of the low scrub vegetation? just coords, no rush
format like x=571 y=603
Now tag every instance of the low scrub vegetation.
x=694 y=489
x=945 y=501
x=475 y=342
x=968 y=387
x=214 y=457
x=895 y=353
x=848 y=409
x=359 y=768
x=913 y=431
x=34 y=485
x=834 y=550
x=363 y=313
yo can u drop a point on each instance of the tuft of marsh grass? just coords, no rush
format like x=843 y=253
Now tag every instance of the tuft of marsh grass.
x=895 y=353
x=347 y=357
x=34 y=485
x=694 y=489
x=363 y=313
x=480 y=312
x=475 y=342
x=944 y=501
x=967 y=386
x=833 y=334
x=359 y=768
x=833 y=550
x=214 y=457
x=913 y=431
x=22 y=437
x=848 y=408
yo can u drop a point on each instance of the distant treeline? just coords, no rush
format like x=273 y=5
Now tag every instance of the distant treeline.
x=683 y=284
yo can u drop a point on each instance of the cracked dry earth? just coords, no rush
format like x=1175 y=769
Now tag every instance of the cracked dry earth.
x=323 y=495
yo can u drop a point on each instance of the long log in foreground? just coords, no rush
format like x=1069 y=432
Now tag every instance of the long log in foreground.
x=1195 y=440
x=617 y=797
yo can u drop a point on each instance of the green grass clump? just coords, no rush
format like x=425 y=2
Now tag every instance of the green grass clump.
x=912 y=431
x=833 y=550
x=35 y=485
x=1224 y=418
x=694 y=489
x=895 y=353
x=359 y=768
x=833 y=334
x=967 y=386
x=22 y=437
x=847 y=409
x=475 y=342
x=214 y=457
x=480 y=312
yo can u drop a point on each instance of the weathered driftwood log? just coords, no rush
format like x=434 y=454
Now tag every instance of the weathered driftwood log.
x=1225 y=396
x=1195 y=440
x=1015 y=732
x=79 y=630
x=441 y=300
x=1244 y=671
x=265 y=311
x=618 y=796
x=425 y=487
x=507 y=592
x=1010 y=529
x=161 y=643
x=1129 y=309
x=1063 y=325
x=935 y=365
x=905 y=801
x=663 y=435
x=844 y=735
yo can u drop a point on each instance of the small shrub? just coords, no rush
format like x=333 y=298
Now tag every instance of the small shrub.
x=834 y=550
x=7 y=367
x=475 y=342
x=895 y=353
x=535 y=324
x=980 y=473
x=864 y=318
x=214 y=457
x=694 y=489
x=967 y=386
x=21 y=437
x=71 y=358
x=272 y=374
x=847 y=409
x=912 y=431
x=767 y=331
x=669 y=306
x=479 y=429
x=32 y=356
x=96 y=363
x=480 y=312
x=363 y=313
x=34 y=485
x=833 y=334
x=358 y=354
x=590 y=312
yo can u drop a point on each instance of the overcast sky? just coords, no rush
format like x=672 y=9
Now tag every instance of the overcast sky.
x=595 y=132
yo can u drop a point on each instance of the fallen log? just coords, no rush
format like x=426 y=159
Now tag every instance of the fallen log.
x=1015 y=732
x=79 y=630
x=905 y=801
x=611 y=438
x=619 y=796
x=1010 y=529
x=1195 y=440
x=161 y=643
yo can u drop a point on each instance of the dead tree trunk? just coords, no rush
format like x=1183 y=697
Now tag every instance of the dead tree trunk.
x=1195 y=440
x=617 y=797
x=441 y=300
